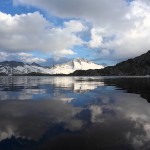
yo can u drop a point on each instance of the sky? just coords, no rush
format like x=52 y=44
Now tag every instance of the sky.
x=56 y=31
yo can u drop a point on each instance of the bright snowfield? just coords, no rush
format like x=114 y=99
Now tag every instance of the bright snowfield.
x=66 y=68
x=76 y=64
x=24 y=69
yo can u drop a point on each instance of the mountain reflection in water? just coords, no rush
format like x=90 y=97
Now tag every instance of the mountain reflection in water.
x=91 y=113
x=46 y=87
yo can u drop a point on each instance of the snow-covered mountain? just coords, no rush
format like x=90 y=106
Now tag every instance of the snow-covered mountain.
x=76 y=64
x=13 y=67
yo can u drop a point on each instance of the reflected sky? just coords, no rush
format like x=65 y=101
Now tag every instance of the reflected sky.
x=92 y=113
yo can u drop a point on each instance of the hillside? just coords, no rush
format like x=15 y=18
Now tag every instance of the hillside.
x=136 y=66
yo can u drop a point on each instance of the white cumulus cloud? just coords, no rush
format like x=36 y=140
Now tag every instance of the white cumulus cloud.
x=96 y=38
x=32 y=59
x=32 y=32
x=3 y=56
x=25 y=54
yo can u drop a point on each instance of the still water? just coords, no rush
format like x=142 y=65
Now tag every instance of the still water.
x=74 y=113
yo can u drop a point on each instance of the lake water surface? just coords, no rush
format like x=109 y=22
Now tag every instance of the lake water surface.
x=74 y=113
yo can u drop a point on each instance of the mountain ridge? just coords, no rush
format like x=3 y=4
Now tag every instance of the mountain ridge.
x=137 y=66
x=20 y=68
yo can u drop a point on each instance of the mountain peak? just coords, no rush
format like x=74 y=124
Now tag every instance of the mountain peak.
x=75 y=64
x=35 y=64
x=78 y=58
x=81 y=60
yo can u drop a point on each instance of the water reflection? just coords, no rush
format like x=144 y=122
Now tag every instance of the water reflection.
x=109 y=115
x=32 y=119
x=23 y=88
x=132 y=85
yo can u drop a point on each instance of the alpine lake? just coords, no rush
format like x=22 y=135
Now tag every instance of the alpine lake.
x=74 y=113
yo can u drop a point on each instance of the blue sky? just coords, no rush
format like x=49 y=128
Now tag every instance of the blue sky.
x=52 y=31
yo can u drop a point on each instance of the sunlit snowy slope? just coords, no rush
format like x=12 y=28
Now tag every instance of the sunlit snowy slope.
x=76 y=64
